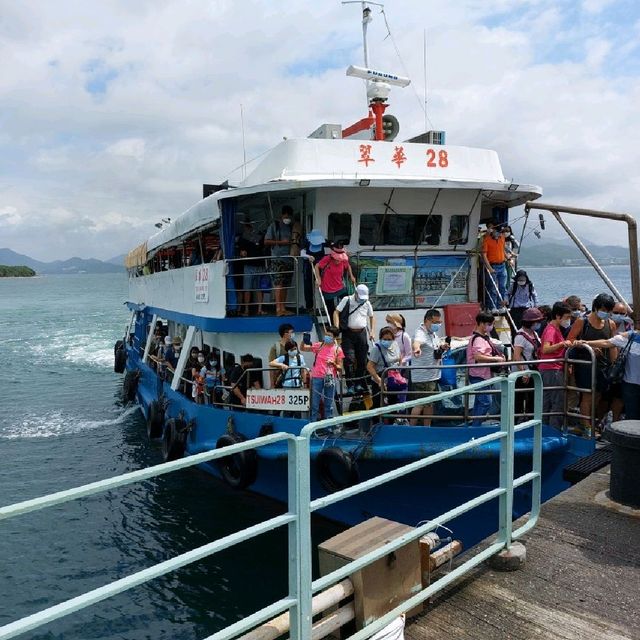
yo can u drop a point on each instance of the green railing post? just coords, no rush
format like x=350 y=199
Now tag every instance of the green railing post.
x=507 y=398
x=303 y=476
x=293 y=457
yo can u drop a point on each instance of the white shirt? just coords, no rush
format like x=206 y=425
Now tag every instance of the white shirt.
x=359 y=311
x=428 y=341
x=632 y=365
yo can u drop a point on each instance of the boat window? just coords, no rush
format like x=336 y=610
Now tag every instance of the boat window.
x=339 y=227
x=399 y=229
x=459 y=230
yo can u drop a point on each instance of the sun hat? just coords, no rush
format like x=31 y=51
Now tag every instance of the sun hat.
x=532 y=315
x=394 y=320
x=177 y=340
x=363 y=291
x=316 y=240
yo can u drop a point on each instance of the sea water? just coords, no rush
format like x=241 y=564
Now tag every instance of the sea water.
x=62 y=424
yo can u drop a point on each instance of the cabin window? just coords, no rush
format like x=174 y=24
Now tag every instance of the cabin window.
x=399 y=229
x=459 y=230
x=339 y=227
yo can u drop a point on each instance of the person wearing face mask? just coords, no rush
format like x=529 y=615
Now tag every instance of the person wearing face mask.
x=384 y=354
x=526 y=347
x=522 y=296
x=325 y=372
x=286 y=333
x=279 y=237
x=197 y=379
x=620 y=315
x=172 y=353
x=598 y=325
x=481 y=350
x=426 y=346
x=494 y=258
x=397 y=322
x=554 y=346
x=330 y=274
x=291 y=366
x=213 y=375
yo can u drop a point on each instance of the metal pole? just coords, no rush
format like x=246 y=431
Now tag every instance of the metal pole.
x=632 y=227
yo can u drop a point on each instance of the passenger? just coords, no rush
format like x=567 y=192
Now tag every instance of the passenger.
x=325 y=372
x=214 y=378
x=160 y=355
x=481 y=349
x=250 y=247
x=313 y=251
x=522 y=296
x=279 y=237
x=197 y=380
x=511 y=248
x=427 y=352
x=287 y=333
x=553 y=347
x=330 y=274
x=196 y=255
x=397 y=322
x=526 y=346
x=241 y=380
x=384 y=355
x=172 y=354
x=494 y=257
x=292 y=366
x=631 y=380
x=545 y=310
x=620 y=315
x=573 y=397
x=190 y=366
x=596 y=326
x=357 y=326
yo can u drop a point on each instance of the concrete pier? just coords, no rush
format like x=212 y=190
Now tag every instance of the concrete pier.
x=581 y=579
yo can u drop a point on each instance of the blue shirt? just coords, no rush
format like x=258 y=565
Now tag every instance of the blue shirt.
x=293 y=375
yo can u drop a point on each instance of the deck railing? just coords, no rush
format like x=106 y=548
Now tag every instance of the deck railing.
x=298 y=518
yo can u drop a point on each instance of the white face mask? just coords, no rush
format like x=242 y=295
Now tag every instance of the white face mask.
x=286 y=220
x=565 y=324
x=522 y=282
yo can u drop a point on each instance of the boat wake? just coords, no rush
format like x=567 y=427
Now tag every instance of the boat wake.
x=56 y=424
x=83 y=349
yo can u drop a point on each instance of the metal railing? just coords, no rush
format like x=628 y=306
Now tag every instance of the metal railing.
x=298 y=519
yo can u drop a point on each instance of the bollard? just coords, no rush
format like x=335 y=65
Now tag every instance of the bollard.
x=625 y=461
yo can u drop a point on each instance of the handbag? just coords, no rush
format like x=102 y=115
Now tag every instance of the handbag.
x=614 y=374
x=396 y=382
x=345 y=313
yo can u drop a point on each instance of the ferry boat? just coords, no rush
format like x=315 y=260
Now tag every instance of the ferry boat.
x=408 y=215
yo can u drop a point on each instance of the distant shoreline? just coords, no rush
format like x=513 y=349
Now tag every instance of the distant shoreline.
x=7 y=271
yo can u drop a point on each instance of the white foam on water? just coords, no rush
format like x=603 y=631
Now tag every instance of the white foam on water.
x=56 y=424
x=94 y=349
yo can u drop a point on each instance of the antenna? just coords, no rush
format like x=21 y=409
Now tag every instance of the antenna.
x=424 y=63
x=244 y=149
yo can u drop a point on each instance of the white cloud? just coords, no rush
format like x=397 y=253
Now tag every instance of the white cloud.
x=114 y=114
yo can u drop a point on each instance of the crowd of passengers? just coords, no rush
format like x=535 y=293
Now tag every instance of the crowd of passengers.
x=392 y=365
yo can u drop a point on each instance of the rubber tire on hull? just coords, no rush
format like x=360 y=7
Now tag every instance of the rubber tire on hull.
x=240 y=470
x=155 y=420
x=119 y=357
x=130 y=386
x=174 y=439
x=337 y=469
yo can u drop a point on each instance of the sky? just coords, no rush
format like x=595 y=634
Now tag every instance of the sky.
x=113 y=113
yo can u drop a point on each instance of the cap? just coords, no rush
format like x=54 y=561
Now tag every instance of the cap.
x=363 y=291
x=177 y=340
x=395 y=320
x=167 y=340
x=316 y=240
x=532 y=315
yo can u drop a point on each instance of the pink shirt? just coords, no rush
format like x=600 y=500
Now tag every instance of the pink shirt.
x=325 y=352
x=331 y=280
x=552 y=335
x=477 y=344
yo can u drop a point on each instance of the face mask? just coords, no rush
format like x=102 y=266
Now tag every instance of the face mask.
x=576 y=314
x=293 y=352
x=565 y=324
x=436 y=326
x=386 y=343
x=536 y=326
x=521 y=283
x=489 y=328
x=292 y=336
x=603 y=315
x=286 y=220
x=177 y=349
x=213 y=363
x=328 y=339
x=200 y=358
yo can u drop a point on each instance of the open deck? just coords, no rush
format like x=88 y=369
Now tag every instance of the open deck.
x=581 y=580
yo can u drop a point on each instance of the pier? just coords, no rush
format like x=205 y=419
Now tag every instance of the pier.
x=581 y=579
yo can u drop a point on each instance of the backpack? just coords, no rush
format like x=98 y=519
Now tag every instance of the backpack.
x=537 y=344
x=282 y=376
x=345 y=314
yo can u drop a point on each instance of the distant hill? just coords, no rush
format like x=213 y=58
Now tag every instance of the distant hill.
x=73 y=265
x=538 y=253
x=119 y=260
x=16 y=272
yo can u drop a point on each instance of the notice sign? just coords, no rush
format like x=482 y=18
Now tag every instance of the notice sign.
x=202 y=283
x=394 y=281
x=278 y=399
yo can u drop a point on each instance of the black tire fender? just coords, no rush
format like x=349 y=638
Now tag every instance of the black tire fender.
x=155 y=420
x=119 y=357
x=337 y=469
x=130 y=386
x=240 y=470
x=174 y=439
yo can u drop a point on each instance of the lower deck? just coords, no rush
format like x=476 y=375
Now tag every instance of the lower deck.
x=581 y=579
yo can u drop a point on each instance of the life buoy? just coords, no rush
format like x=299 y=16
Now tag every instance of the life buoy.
x=155 y=418
x=241 y=469
x=174 y=439
x=119 y=357
x=337 y=469
x=130 y=386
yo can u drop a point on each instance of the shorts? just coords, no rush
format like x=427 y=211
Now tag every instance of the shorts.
x=582 y=373
x=281 y=271
x=429 y=386
x=251 y=277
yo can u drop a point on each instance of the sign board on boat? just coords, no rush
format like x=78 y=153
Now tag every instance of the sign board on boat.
x=279 y=399
x=201 y=275
x=394 y=281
